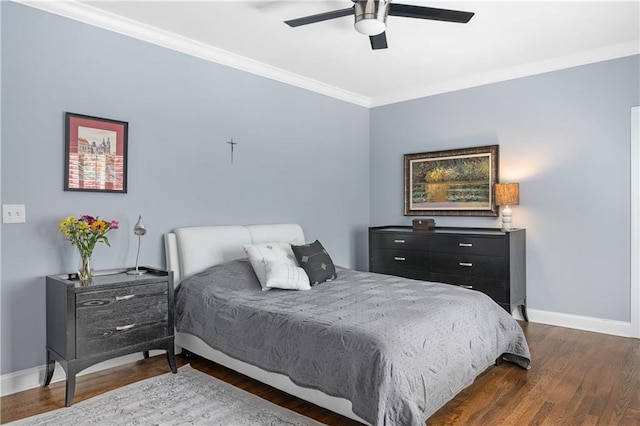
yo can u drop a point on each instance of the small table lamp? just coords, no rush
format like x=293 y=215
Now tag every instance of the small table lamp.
x=507 y=194
x=139 y=230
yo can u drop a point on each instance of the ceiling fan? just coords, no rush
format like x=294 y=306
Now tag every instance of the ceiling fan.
x=371 y=17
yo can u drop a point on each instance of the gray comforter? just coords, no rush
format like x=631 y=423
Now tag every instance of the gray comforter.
x=398 y=349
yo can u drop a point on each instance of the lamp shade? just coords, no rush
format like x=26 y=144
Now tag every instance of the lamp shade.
x=138 y=228
x=507 y=194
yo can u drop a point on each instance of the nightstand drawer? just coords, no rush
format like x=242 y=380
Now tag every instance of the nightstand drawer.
x=398 y=241
x=397 y=260
x=468 y=245
x=98 y=340
x=89 y=303
x=468 y=265
x=120 y=327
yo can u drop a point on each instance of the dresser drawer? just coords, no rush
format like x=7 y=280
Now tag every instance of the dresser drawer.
x=399 y=241
x=496 y=289
x=398 y=260
x=468 y=245
x=468 y=265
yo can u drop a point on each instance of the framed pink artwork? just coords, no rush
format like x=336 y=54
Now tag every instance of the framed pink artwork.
x=95 y=154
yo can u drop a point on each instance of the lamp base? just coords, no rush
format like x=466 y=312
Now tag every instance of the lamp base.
x=506 y=219
x=136 y=272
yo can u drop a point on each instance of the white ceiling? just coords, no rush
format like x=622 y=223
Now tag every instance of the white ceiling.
x=505 y=39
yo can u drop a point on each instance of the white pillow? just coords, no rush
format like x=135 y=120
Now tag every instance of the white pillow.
x=260 y=254
x=286 y=276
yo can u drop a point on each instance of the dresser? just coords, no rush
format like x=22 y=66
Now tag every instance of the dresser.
x=485 y=259
x=117 y=315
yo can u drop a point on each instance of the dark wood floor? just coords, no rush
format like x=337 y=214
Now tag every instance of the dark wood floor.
x=577 y=378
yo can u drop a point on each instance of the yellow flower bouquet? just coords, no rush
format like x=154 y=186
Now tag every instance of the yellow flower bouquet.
x=84 y=233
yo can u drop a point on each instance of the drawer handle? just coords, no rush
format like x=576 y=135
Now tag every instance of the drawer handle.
x=467 y=264
x=465 y=245
x=400 y=259
x=399 y=241
x=467 y=286
x=127 y=297
x=125 y=327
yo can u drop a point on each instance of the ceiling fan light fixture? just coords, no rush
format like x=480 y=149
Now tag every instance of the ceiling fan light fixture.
x=371 y=16
x=370 y=27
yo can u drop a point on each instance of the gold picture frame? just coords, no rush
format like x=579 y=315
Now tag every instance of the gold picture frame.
x=457 y=182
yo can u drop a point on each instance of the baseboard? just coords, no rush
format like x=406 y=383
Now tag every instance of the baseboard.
x=597 y=325
x=32 y=377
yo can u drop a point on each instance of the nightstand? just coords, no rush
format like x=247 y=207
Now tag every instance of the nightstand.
x=119 y=314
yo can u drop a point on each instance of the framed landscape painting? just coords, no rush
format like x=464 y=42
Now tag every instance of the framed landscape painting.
x=456 y=182
x=95 y=154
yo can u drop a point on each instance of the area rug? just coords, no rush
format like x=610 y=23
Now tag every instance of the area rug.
x=187 y=398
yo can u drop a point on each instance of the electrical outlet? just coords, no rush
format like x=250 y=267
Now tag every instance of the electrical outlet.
x=13 y=213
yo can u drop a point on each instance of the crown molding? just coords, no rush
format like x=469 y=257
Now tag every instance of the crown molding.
x=87 y=14
x=511 y=73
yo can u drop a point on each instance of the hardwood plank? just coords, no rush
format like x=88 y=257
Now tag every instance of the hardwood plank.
x=577 y=378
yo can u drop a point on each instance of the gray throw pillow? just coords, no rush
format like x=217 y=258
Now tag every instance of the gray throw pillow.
x=315 y=261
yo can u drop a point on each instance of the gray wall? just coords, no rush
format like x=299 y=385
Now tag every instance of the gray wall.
x=331 y=166
x=301 y=157
x=565 y=136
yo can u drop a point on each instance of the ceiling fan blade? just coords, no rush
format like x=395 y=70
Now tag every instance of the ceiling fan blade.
x=378 y=41
x=311 y=19
x=409 y=11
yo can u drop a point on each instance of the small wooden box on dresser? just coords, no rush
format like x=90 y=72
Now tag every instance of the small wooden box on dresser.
x=485 y=259
x=117 y=315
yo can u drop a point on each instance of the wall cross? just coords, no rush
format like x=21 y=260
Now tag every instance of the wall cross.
x=232 y=144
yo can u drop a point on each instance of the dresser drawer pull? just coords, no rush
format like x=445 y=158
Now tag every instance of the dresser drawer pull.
x=467 y=264
x=465 y=245
x=127 y=297
x=467 y=286
x=399 y=241
x=400 y=259
x=125 y=327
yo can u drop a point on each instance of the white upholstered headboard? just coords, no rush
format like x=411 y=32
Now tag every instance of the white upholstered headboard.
x=192 y=249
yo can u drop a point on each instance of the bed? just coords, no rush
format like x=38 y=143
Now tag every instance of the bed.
x=378 y=349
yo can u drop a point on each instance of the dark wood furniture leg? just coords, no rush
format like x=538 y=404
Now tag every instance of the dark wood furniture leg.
x=523 y=309
x=51 y=366
x=70 y=389
x=171 y=358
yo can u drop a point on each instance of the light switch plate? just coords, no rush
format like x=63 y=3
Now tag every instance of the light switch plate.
x=13 y=213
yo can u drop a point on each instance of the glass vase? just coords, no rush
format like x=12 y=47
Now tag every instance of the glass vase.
x=85 y=270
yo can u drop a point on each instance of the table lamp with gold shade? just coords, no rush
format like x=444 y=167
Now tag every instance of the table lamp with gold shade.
x=507 y=194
